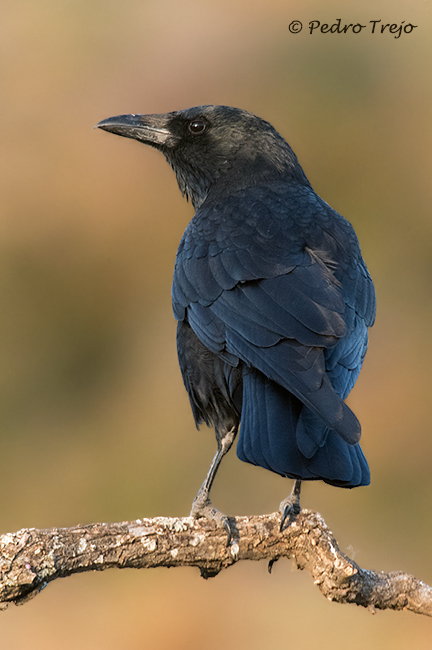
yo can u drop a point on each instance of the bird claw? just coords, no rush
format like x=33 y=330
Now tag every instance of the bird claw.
x=227 y=527
x=289 y=509
x=202 y=507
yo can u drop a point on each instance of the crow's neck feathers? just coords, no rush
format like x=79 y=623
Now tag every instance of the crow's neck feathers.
x=230 y=155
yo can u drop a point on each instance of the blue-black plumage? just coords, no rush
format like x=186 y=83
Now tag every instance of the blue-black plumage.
x=272 y=297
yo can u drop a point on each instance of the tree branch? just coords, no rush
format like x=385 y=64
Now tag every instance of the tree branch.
x=31 y=558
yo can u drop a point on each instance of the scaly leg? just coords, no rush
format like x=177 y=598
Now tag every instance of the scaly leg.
x=202 y=506
x=290 y=507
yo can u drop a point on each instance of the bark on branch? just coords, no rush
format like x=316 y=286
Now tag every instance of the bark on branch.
x=31 y=558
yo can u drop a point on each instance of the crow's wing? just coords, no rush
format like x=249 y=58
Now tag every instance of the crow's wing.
x=281 y=293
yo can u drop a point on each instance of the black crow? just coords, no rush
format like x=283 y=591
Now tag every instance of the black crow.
x=272 y=297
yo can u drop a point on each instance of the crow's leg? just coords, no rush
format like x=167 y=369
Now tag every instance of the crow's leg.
x=202 y=506
x=290 y=507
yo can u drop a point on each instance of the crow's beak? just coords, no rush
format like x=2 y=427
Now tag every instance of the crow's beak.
x=150 y=129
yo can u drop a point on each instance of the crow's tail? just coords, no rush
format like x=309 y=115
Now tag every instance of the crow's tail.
x=279 y=433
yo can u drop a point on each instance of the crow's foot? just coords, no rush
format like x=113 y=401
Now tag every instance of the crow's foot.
x=290 y=507
x=202 y=507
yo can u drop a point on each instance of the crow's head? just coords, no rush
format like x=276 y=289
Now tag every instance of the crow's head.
x=213 y=149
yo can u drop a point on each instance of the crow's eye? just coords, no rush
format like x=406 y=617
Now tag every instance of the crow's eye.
x=197 y=126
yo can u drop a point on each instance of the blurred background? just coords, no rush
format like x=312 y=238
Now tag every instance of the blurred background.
x=95 y=424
